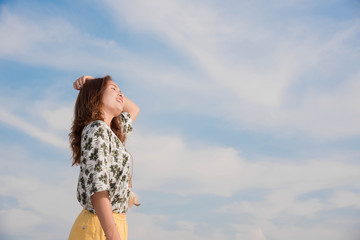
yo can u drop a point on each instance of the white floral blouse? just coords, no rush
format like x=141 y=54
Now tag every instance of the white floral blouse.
x=105 y=165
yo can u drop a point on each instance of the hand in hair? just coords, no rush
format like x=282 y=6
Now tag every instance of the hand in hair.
x=80 y=81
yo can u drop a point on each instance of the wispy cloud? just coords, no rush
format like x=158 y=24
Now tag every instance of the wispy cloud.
x=223 y=171
x=54 y=42
x=36 y=195
x=175 y=167
x=260 y=91
x=33 y=131
x=190 y=171
x=259 y=81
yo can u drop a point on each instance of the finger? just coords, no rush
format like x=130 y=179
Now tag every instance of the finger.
x=81 y=81
x=85 y=77
x=76 y=85
x=75 y=82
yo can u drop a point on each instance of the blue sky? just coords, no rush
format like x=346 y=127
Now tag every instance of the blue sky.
x=249 y=115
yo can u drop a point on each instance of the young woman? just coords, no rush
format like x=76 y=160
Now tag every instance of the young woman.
x=103 y=118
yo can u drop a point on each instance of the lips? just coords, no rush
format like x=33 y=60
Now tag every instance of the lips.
x=119 y=100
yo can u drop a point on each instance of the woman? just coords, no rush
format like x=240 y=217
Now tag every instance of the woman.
x=103 y=117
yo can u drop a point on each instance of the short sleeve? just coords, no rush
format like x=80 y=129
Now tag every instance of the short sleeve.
x=96 y=149
x=126 y=122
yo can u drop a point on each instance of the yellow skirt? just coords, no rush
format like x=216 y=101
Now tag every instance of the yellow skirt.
x=87 y=227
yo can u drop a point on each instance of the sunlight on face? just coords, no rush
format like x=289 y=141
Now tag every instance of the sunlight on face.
x=113 y=100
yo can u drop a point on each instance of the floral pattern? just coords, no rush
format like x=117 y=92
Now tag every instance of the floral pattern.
x=105 y=165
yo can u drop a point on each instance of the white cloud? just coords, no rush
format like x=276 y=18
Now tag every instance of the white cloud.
x=56 y=43
x=343 y=199
x=46 y=200
x=252 y=88
x=248 y=232
x=28 y=128
x=59 y=118
x=174 y=166
x=168 y=164
x=256 y=83
x=146 y=226
x=14 y=219
x=41 y=198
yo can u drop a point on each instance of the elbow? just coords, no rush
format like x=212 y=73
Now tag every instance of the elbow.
x=134 y=112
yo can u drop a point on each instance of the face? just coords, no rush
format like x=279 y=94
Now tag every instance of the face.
x=113 y=100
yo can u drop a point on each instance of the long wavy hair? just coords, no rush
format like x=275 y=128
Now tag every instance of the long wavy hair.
x=88 y=108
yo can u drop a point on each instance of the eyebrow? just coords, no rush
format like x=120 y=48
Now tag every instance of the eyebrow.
x=112 y=84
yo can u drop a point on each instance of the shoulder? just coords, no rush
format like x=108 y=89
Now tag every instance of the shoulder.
x=95 y=125
x=126 y=121
x=126 y=117
x=97 y=128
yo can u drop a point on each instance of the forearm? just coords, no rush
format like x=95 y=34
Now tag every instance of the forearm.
x=103 y=209
x=131 y=108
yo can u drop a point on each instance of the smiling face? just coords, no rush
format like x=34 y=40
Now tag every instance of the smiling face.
x=113 y=100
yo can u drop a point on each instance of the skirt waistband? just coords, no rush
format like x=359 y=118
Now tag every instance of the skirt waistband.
x=117 y=216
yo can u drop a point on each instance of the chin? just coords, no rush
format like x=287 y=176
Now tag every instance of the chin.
x=118 y=112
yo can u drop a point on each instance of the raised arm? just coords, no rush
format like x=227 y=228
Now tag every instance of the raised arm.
x=131 y=108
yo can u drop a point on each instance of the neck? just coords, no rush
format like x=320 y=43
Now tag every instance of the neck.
x=108 y=119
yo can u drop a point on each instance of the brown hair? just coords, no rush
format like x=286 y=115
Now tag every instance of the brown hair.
x=88 y=108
